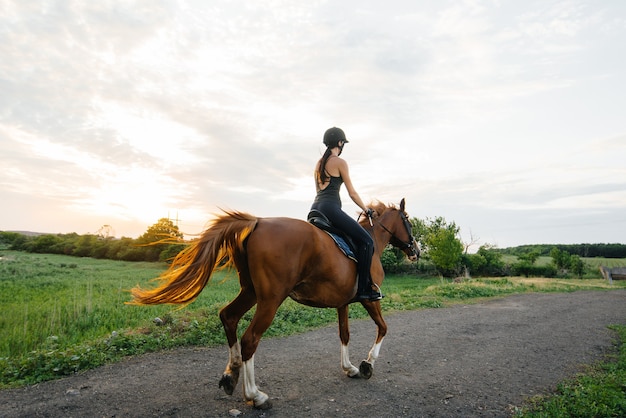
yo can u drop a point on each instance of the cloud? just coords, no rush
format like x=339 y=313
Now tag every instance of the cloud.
x=133 y=110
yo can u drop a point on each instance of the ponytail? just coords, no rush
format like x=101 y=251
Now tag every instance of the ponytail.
x=322 y=176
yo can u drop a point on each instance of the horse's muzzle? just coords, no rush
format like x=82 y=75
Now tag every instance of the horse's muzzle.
x=415 y=251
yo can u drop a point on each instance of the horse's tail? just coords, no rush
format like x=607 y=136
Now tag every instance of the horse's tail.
x=192 y=268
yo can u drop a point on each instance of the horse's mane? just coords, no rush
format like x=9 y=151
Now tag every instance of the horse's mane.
x=378 y=207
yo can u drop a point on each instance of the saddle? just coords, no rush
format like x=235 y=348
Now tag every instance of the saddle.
x=343 y=241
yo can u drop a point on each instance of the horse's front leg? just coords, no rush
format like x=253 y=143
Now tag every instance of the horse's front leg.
x=344 y=336
x=367 y=366
x=251 y=392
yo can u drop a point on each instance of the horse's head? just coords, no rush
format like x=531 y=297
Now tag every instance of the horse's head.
x=396 y=223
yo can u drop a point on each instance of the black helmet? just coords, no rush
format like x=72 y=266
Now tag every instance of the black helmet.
x=332 y=137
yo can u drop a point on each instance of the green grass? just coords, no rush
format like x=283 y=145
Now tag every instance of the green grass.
x=606 y=262
x=61 y=314
x=591 y=262
x=67 y=300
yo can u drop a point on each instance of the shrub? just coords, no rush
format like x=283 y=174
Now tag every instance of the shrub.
x=524 y=268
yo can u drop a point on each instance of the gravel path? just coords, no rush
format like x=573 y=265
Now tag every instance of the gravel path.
x=467 y=361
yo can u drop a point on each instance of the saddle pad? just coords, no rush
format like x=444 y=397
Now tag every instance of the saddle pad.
x=343 y=246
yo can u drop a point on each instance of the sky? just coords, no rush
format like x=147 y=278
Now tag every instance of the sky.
x=504 y=117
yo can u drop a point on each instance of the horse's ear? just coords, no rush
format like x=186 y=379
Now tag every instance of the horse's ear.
x=402 y=205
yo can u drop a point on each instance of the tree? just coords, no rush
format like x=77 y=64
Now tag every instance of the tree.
x=445 y=251
x=577 y=265
x=420 y=230
x=163 y=230
x=561 y=259
x=106 y=232
x=486 y=262
x=391 y=259
x=159 y=238
x=565 y=261
x=440 y=243
x=529 y=257
x=85 y=246
x=9 y=237
x=44 y=243
x=473 y=241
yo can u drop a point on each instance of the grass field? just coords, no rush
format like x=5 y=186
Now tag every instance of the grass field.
x=66 y=300
x=606 y=262
x=592 y=263
x=61 y=314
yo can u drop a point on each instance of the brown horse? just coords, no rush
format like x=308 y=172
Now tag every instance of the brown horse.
x=278 y=258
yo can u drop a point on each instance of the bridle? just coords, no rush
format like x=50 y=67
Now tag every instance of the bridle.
x=402 y=245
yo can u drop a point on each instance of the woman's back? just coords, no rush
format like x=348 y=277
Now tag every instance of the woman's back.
x=331 y=169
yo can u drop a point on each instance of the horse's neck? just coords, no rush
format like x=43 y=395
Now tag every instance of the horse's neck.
x=379 y=242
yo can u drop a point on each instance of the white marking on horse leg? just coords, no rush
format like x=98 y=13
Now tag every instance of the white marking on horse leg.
x=347 y=367
x=251 y=392
x=234 y=357
x=231 y=373
x=373 y=354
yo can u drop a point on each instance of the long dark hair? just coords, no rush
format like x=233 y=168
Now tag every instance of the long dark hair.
x=322 y=176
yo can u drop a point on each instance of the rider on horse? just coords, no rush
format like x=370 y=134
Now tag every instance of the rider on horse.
x=330 y=173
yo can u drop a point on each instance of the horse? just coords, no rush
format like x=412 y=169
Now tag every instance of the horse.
x=278 y=258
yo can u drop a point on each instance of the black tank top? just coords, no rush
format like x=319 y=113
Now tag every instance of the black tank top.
x=331 y=192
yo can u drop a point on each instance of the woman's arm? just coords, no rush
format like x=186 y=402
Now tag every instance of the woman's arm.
x=345 y=175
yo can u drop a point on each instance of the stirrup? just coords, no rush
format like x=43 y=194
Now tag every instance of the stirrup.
x=370 y=294
x=378 y=292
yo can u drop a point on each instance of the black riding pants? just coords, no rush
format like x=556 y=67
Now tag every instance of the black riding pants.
x=363 y=240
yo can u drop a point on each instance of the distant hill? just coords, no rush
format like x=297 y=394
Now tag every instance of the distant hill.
x=582 y=250
x=29 y=233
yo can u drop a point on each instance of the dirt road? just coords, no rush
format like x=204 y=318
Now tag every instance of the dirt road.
x=466 y=361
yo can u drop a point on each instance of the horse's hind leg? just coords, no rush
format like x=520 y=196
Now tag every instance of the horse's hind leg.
x=261 y=321
x=230 y=316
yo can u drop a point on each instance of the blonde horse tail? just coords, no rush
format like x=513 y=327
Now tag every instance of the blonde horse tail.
x=191 y=270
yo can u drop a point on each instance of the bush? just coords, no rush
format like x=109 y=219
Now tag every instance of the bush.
x=9 y=237
x=525 y=268
x=487 y=262
x=171 y=251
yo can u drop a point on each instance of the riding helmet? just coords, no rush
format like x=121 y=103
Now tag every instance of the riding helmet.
x=332 y=137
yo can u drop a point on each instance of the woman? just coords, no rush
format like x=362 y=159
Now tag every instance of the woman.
x=330 y=172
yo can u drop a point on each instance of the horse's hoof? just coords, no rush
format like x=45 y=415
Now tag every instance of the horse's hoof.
x=264 y=406
x=366 y=370
x=228 y=384
x=352 y=372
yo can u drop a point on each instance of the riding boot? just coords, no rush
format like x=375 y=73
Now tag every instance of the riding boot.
x=366 y=290
x=365 y=287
